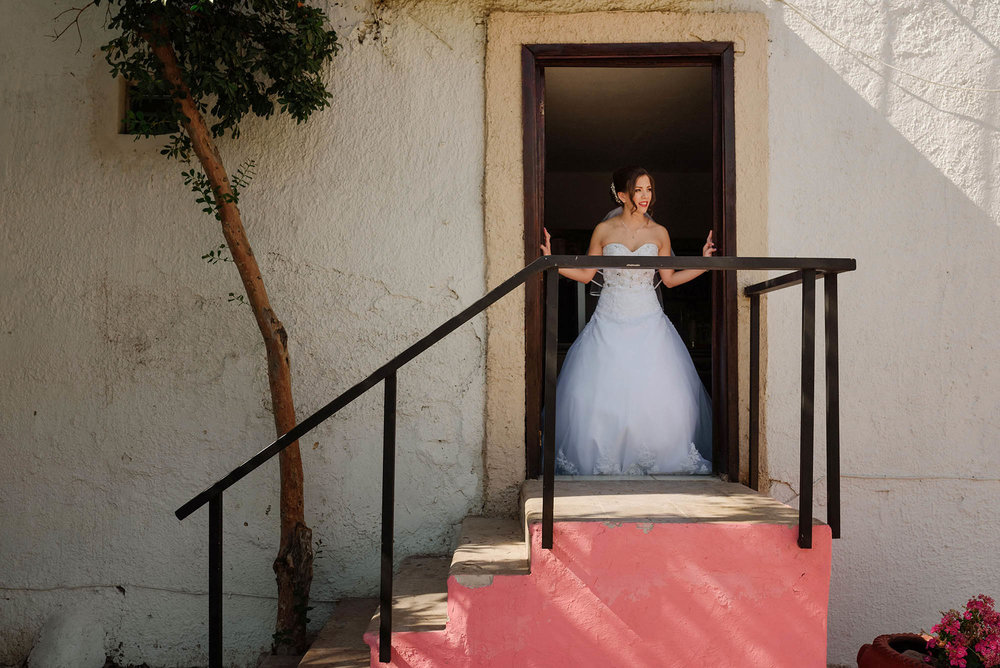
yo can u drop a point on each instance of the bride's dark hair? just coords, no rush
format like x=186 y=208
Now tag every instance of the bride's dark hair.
x=624 y=181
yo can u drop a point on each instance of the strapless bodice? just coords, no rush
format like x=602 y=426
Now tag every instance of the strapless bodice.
x=628 y=293
x=630 y=278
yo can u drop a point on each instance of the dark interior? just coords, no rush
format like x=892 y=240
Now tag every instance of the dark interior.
x=595 y=122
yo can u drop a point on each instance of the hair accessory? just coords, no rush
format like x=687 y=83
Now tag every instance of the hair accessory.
x=614 y=193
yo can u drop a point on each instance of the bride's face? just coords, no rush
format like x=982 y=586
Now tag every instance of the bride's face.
x=641 y=195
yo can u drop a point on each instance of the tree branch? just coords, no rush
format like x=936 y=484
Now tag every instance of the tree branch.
x=75 y=22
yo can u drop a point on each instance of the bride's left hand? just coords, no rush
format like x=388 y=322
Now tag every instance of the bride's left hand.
x=709 y=248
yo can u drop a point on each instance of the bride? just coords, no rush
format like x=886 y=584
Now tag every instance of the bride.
x=628 y=398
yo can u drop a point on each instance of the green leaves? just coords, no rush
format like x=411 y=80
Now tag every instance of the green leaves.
x=201 y=186
x=179 y=148
x=257 y=57
x=217 y=255
x=236 y=57
x=244 y=174
x=239 y=299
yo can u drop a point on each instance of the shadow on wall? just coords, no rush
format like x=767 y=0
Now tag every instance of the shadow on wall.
x=918 y=326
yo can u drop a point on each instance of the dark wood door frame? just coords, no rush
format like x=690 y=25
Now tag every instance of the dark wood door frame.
x=719 y=56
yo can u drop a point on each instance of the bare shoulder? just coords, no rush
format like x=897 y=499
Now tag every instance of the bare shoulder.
x=660 y=235
x=602 y=229
x=659 y=231
x=606 y=225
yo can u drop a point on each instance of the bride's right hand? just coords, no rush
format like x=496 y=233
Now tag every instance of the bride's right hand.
x=547 y=246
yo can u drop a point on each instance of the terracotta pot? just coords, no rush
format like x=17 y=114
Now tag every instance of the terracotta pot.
x=887 y=651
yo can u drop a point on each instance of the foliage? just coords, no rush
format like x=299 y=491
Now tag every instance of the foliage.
x=199 y=184
x=239 y=57
x=968 y=639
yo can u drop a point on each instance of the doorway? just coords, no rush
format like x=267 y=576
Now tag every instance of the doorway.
x=578 y=128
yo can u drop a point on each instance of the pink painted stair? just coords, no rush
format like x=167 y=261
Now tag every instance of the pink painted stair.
x=652 y=572
x=486 y=547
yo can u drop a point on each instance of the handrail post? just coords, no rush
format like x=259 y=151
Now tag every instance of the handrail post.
x=388 y=505
x=806 y=407
x=549 y=434
x=832 y=405
x=215 y=582
x=754 y=391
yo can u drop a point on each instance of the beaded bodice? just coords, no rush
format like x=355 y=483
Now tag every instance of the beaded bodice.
x=628 y=293
x=629 y=278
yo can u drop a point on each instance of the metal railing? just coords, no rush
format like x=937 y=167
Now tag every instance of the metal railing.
x=807 y=278
x=804 y=271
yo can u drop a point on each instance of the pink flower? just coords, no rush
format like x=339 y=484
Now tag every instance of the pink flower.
x=973 y=634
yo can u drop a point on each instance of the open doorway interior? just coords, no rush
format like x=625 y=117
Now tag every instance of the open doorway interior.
x=598 y=119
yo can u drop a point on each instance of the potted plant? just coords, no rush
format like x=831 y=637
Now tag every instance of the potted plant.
x=966 y=639
x=895 y=650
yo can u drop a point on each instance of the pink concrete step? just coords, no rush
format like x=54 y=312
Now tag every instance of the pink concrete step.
x=486 y=548
x=674 y=572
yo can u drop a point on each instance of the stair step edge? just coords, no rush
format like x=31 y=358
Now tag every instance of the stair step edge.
x=340 y=643
x=419 y=596
x=488 y=547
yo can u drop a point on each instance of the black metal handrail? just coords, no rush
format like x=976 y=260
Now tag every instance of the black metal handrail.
x=806 y=278
x=804 y=270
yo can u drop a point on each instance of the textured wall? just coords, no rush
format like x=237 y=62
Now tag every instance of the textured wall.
x=905 y=176
x=129 y=382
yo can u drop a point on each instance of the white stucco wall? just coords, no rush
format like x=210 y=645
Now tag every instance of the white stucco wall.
x=129 y=382
x=904 y=176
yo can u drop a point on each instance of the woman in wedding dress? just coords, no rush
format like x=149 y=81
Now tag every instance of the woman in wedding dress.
x=628 y=398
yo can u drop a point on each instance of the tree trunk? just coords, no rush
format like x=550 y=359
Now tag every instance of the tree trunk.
x=293 y=565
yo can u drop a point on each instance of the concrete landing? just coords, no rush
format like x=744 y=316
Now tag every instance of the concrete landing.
x=677 y=500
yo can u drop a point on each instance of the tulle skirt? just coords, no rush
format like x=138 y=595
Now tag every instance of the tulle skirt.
x=629 y=400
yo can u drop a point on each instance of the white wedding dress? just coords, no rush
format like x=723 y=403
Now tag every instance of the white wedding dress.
x=628 y=399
